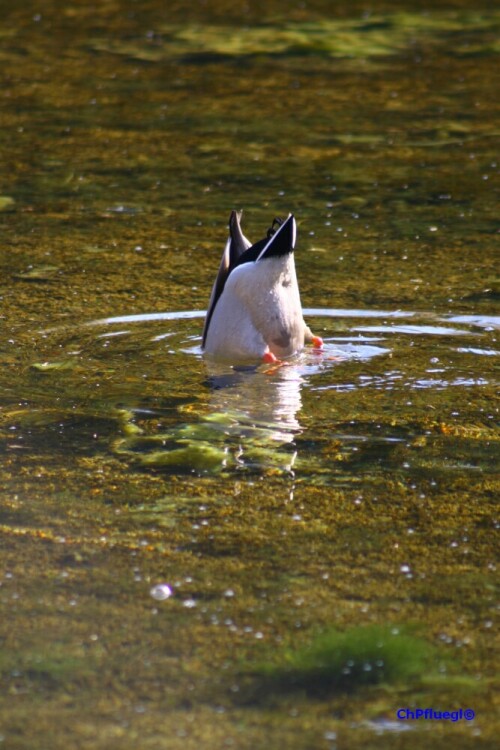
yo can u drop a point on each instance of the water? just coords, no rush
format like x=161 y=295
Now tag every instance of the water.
x=353 y=486
x=249 y=418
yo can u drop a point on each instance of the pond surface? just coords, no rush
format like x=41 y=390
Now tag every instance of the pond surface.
x=174 y=533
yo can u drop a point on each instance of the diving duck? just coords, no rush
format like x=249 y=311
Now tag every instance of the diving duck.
x=254 y=311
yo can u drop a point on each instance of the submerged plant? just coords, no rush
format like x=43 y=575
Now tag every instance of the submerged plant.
x=364 y=655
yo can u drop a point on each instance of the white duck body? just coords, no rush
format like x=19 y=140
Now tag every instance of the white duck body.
x=257 y=313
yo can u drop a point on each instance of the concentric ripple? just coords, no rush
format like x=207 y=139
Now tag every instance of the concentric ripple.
x=391 y=391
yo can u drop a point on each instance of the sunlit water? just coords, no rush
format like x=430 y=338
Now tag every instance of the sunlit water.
x=206 y=417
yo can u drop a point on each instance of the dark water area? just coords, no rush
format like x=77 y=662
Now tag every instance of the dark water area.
x=197 y=555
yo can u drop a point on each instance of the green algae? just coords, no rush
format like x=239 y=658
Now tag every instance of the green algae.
x=6 y=203
x=48 y=367
x=220 y=441
x=352 y=659
x=377 y=35
x=37 y=273
x=38 y=670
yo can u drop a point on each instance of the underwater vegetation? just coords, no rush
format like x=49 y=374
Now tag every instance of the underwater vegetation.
x=348 y=660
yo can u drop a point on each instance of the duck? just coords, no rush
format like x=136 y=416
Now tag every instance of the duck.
x=254 y=312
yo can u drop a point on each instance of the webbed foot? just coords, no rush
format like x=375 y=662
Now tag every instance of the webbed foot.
x=317 y=342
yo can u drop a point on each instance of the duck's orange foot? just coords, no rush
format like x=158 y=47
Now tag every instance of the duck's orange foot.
x=269 y=358
x=317 y=342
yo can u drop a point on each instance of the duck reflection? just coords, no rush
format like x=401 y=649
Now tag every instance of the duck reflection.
x=266 y=401
x=250 y=425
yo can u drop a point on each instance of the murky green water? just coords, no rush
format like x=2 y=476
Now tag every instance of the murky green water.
x=173 y=534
